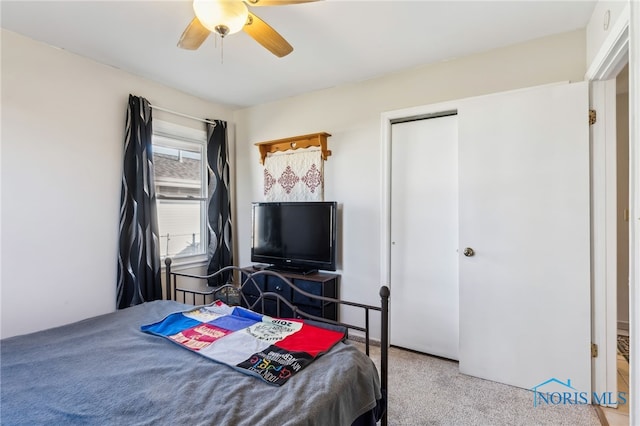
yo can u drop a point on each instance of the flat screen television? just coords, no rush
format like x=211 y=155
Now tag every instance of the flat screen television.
x=295 y=236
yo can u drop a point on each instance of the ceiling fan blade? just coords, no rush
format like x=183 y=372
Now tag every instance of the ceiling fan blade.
x=276 y=2
x=269 y=38
x=193 y=36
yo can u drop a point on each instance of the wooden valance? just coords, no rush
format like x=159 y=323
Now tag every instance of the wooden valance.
x=304 y=141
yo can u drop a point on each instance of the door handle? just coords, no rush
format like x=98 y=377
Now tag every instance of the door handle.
x=468 y=251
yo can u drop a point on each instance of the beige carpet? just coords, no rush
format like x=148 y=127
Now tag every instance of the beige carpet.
x=426 y=390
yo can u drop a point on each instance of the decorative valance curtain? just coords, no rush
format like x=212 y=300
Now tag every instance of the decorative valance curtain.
x=139 y=255
x=220 y=252
x=294 y=176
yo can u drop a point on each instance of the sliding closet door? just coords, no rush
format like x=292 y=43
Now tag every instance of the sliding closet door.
x=524 y=211
x=424 y=235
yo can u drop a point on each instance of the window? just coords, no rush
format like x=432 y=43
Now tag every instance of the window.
x=179 y=160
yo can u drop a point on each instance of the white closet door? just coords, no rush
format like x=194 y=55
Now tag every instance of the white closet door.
x=524 y=210
x=424 y=235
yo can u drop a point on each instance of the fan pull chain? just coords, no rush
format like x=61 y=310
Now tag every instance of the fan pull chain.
x=215 y=44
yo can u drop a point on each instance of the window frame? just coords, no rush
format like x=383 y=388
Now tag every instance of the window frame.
x=173 y=135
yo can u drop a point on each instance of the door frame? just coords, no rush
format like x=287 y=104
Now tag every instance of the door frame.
x=604 y=274
x=620 y=47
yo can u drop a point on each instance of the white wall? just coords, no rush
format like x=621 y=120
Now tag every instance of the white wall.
x=62 y=131
x=352 y=115
x=604 y=18
x=63 y=122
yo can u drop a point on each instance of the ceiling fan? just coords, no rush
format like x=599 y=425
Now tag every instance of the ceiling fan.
x=224 y=17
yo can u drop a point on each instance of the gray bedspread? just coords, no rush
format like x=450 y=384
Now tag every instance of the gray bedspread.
x=104 y=370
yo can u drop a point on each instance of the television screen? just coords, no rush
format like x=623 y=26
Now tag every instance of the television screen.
x=296 y=236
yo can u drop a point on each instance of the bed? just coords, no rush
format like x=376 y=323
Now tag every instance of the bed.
x=106 y=370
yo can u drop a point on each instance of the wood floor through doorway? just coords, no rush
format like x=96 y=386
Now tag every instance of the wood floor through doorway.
x=620 y=416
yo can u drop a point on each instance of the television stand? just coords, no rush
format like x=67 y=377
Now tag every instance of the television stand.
x=318 y=283
x=291 y=269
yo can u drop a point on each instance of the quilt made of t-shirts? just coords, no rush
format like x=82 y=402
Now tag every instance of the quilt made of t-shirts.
x=273 y=349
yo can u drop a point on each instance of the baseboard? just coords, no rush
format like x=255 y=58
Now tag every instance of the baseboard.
x=361 y=339
x=623 y=326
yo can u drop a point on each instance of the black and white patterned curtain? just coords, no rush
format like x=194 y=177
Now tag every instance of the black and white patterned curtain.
x=139 y=256
x=220 y=252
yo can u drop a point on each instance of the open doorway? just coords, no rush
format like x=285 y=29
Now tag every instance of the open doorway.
x=622 y=231
x=613 y=159
x=618 y=415
x=622 y=179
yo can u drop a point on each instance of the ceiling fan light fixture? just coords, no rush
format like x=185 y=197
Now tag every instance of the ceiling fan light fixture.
x=222 y=17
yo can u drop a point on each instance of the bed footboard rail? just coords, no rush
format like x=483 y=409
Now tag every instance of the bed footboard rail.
x=247 y=280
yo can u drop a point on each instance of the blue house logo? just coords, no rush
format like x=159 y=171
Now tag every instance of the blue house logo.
x=565 y=394
x=554 y=398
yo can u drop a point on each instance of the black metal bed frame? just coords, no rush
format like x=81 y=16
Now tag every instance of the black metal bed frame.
x=258 y=305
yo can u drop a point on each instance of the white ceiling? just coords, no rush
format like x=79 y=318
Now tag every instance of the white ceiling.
x=335 y=42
